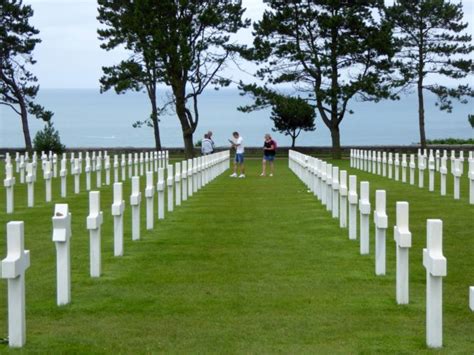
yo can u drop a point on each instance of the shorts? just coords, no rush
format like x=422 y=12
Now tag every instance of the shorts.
x=269 y=157
x=239 y=158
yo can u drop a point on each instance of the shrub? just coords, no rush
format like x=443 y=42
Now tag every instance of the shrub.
x=48 y=140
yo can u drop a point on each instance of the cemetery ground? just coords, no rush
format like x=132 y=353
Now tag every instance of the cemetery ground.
x=246 y=265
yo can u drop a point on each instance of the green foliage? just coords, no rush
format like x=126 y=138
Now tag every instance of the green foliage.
x=333 y=51
x=18 y=86
x=48 y=140
x=198 y=144
x=184 y=44
x=470 y=118
x=432 y=41
x=454 y=141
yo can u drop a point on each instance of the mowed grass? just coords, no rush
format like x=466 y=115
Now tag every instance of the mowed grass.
x=253 y=265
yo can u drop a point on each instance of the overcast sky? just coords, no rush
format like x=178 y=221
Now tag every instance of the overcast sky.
x=70 y=56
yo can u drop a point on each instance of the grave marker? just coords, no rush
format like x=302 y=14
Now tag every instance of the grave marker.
x=178 y=183
x=457 y=173
x=329 y=187
x=431 y=169
x=402 y=238
x=390 y=165
x=118 y=208
x=381 y=225
x=98 y=169
x=160 y=187
x=335 y=192
x=397 y=166
x=404 y=168
x=435 y=265
x=30 y=182
x=94 y=221
x=149 y=193
x=13 y=269
x=88 y=173
x=135 y=200
x=421 y=170
x=353 y=199
x=364 y=209
x=61 y=238
x=75 y=171
x=343 y=199
x=22 y=169
x=190 y=177
x=471 y=181
x=107 y=169
x=412 y=169
x=47 y=174
x=169 y=183
x=184 y=169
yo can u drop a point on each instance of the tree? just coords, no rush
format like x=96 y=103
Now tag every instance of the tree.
x=334 y=50
x=132 y=24
x=432 y=42
x=290 y=115
x=190 y=45
x=470 y=118
x=48 y=140
x=18 y=88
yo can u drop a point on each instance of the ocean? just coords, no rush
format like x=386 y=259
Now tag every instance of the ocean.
x=86 y=118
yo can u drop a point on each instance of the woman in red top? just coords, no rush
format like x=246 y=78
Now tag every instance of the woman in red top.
x=269 y=150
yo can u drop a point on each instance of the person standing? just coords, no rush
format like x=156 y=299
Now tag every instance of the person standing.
x=209 y=136
x=269 y=151
x=206 y=145
x=238 y=144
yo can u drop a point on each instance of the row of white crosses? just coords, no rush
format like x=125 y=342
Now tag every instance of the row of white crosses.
x=143 y=162
x=389 y=164
x=200 y=171
x=329 y=185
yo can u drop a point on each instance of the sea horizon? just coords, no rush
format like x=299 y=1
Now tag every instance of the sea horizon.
x=85 y=118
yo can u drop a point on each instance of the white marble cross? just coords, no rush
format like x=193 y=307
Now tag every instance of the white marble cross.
x=353 y=200
x=412 y=169
x=364 y=209
x=76 y=172
x=169 y=183
x=436 y=268
x=381 y=225
x=160 y=187
x=149 y=193
x=384 y=164
x=335 y=192
x=343 y=199
x=88 y=173
x=48 y=175
x=457 y=173
x=184 y=176
x=107 y=169
x=9 y=183
x=443 y=172
x=178 y=183
x=13 y=269
x=379 y=163
x=22 y=169
x=63 y=175
x=404 y=168
x=93 y=161
x=94 y=221
x=123 y=164
x=190 y=177
x=195 y=176
x=98 y=169
x=329 y=187
x=141 y=163
x=116 y=168
x=61 y=238
x=136 y=161
x=17 y=162
x=431 y=171
x=402 y=237
x=135 y=200
x=471 y=181
x=390 y=165
x=54 y=165
x=421 y=170
x=437 y=159
x=324 y=188
x=397 y=167
x=118 y=207
x=30 y=182
x=471 y=298
x=130 y=165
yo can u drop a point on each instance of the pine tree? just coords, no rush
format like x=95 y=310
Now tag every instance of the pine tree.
x=432 y=40
x=18 y=86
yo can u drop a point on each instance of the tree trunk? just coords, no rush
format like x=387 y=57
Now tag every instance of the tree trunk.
x=336 y=142
x=156 y=128
x=188 y=145
x=293 y=141
x=24 y=123
x=421 y=113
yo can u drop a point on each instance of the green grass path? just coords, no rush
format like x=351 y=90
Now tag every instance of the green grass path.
x=253 y=265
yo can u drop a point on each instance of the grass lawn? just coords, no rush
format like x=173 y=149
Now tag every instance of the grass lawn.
x=253 y=265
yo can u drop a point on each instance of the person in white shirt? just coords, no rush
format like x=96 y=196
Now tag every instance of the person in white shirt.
x=238 y=143
x=206 y=146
